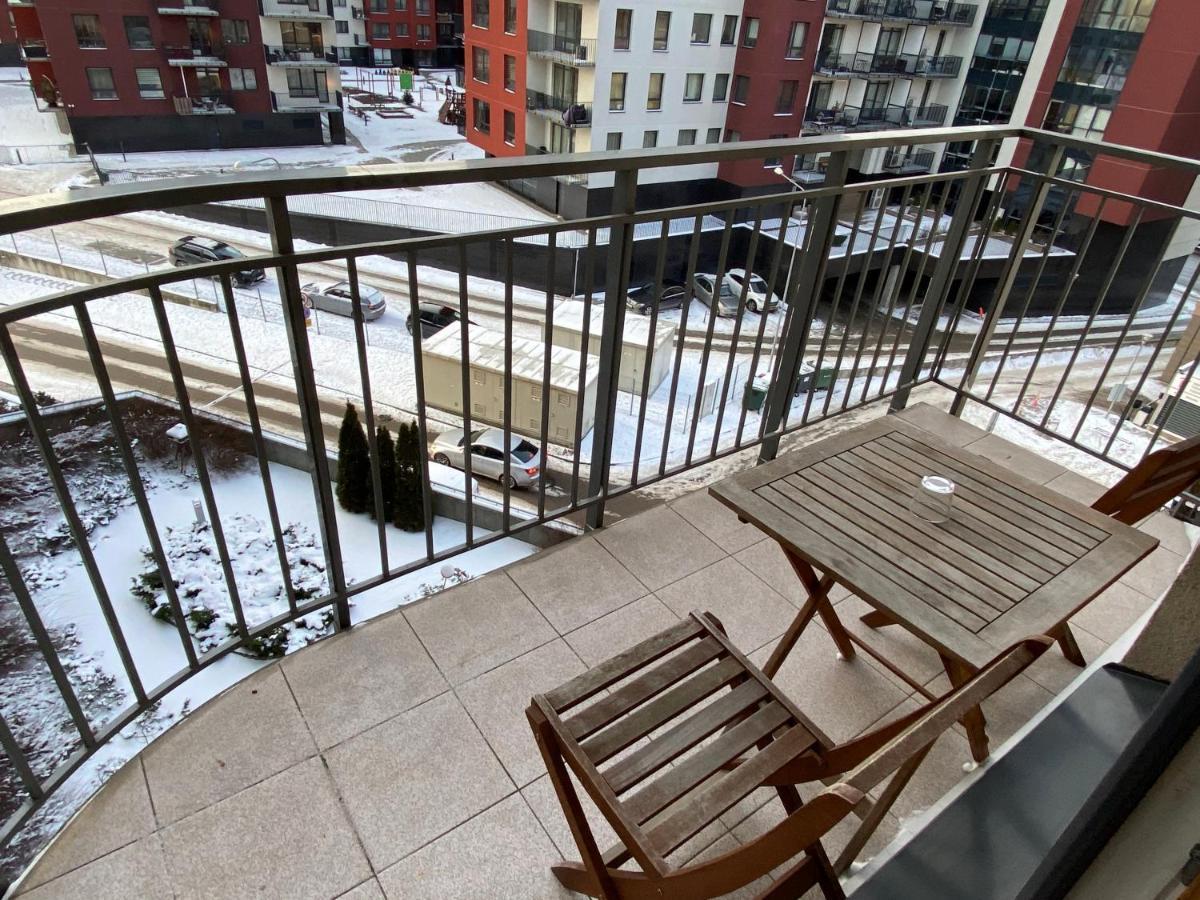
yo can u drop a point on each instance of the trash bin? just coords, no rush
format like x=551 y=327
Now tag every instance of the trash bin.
x=824 y=379
x=804 y=380
x=756 y=393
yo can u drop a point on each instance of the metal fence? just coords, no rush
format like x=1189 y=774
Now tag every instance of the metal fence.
x=880 y=297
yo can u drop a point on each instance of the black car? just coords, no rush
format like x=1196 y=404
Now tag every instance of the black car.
x=434 y=317
x=191 y=250
x=641 y=297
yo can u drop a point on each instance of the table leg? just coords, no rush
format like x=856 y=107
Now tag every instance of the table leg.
x=818 y=591
x=1070 y=649
x=976 y=725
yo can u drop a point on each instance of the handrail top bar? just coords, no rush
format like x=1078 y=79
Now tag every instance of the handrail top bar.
x=59 y=207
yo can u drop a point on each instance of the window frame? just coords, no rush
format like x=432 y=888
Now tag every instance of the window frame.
x=698 y=95
x=790 y=51
x=750 y=32
x=149 y=45
x=477 y=54
x=707 y=29
x=740 y=88
x=653 y=98
x=729 y=35
x=612 y=95
x=142 y=95
x=87 y=73
x=720 y=92
x=510 y=137
x=662 y=17
x=84 y=42
x=622 y=42
x=646 y=136
x=510 y=73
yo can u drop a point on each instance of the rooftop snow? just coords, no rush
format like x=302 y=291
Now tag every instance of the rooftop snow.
x=486 y=351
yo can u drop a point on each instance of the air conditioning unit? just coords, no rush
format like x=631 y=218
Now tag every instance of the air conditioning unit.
x=875 y=199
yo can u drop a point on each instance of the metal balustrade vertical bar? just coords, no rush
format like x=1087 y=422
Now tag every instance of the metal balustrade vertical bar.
x=134 y=477
x=820 y=232
x=660 y=265
x=364 y=376
x=1055 y=232
x=865 y=326
x=680 y=338
x=620 y=257
x=16 y=582
x=256 y=435
x=17 y=759
x=1060 y=304
x=464 y=328
x=735 y=338
x=506 y=417
x=714 y=313
x=279 y=226
x=1101 y=296
x=589 y=280
x=414 y=312
x=198 y=460
x=1012 y=268
x=78 y=533
x=833 y=316
x=949 y=259
x=547 y=366
x=1163 y=416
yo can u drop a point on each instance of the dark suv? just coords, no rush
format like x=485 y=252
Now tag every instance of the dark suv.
x=191 y=250
x=641 y=297
x=434 y=317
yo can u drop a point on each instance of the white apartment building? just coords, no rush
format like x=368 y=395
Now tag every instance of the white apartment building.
x=300 y=41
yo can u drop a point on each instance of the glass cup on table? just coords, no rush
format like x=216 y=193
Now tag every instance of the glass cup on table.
x=932 y=499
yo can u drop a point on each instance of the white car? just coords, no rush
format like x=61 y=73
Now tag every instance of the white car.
x=758 y=299
x=338 y=299
x=487 y=455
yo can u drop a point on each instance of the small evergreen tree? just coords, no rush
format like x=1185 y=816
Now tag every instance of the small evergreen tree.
x=408 y=509
x=387 y=472
x=354 y=464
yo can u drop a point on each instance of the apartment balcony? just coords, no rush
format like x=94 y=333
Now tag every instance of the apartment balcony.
x=296 y=9
x=574 y=51
x=306 y=101
x=925 y=12
x=197 y=56
x=560 y=110
x=363 y=727
x=887 y=65
x=301 y=57
x=219 y=104
x=913 y=162
x=356 y=12
x=193 y=8
x=34 y=50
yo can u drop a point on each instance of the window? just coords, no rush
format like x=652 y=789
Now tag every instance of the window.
x=623 y=28
x=149 y=82
x=616 y=92
x=720 y=87
x=87 y=33
x=654 y=93
x=380 y=31
x=741 y=88
x=137 y=33
x=732 y=137
x=510 y=127
x=785 y=103
x=307 y=83
x=401 y=5
x=687 y=137
x=482 y=115
x=750 y=33
x=713 y=136
x=729 y=31
x=340 y=4
x=101 y=83
x=401 y=29
x=649 y=139
x=796 y=38
x=510 y=16
x=379 y=6
x=243 y=80
x=341 y=26
x=480 y=13
x=662 y=29
x=613 y=141
x=480 y=64
x=510 y=72
x=235 y=31
x=423 y=32
x=693 y=87
x=701 y=28
x=423 y=7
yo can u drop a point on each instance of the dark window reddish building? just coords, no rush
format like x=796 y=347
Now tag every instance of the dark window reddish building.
x=495 y=38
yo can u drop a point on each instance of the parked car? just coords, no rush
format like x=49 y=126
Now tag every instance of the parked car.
x=192 y=250
x=487 y=455
x=758 y=298
x=434 y=317
x=642 y=297
x=339 y=299
x=703 y=290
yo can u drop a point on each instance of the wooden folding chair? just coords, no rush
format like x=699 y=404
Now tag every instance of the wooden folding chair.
x=1158 y=478
x=682 y=726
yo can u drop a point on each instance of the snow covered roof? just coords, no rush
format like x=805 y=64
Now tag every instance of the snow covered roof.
x=486 y=351
x=569 y=315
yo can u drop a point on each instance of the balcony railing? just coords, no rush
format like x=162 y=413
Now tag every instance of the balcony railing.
x=908 y=163
x=571 y=113
x=563 y=48
x=34 y=50
x=190 y=8
x=933 y=12
x=296 y=9
x=905 y=65
x=1004 y=297
x=301 y=56
x=305 y=101
x=214 y=104
x=197 y=54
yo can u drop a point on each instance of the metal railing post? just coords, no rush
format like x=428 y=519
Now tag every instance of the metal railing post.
x=1012 y=267
x=802 y=296
x=620 y=252
x=949 y=257
x=288 y=279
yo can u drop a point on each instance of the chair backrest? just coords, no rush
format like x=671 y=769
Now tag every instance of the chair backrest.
x=1163 y=474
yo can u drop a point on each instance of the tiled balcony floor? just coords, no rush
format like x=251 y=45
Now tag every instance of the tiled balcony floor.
x=394 y=760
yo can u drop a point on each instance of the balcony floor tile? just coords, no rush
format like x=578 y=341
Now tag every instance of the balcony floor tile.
x=136 y=870
x=619 y=630
x=225 y=747
x=415 y=777
x=659 y=547
x=1028 y=464
x=357 y=679
x=766 y=560
x=368 y=890
x=950 y=429
x=1109 y=615
x=1154 y=574
x=716 y=521
x=286 y=836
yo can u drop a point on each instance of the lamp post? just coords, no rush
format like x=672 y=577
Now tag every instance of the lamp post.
x=784 y=227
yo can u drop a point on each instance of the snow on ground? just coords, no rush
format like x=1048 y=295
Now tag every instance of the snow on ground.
x=24 y=124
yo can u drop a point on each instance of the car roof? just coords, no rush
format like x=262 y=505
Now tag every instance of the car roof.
x=206 y=243
x=430 y=306
x=494 y=437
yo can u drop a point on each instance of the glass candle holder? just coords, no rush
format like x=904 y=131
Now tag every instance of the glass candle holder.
x=932 y=499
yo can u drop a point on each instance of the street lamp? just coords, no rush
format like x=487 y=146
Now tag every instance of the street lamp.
x=784 y=227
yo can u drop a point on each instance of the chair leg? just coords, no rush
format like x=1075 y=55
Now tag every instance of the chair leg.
x=876 y=619
x=973 y=720
x=574 y=877
x=1070 y=649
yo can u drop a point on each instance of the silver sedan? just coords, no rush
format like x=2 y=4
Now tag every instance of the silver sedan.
x=338 y=299
x=488 y=456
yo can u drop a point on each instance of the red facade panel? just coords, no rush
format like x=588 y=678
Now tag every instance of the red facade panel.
x=7 y=34
x=489 y=45
x=401 y=20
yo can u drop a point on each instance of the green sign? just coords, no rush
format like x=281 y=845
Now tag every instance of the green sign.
x=406 y=81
